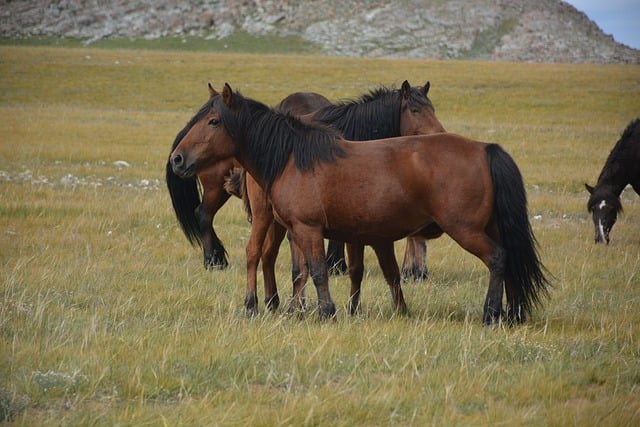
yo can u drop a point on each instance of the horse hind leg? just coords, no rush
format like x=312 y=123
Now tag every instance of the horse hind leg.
x=335 y=258
x=355 y=252
x=493 y=302
x=414 y=265
x=515 y=312
x=391 y=272
x=493 y=256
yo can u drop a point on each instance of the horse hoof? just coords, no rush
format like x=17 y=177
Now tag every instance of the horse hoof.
x=515 y=316
x=272 y=303
x=295 y=311
x=211 y=264
x=215 y=261
x=402 y=309
x=327 y=311
x=490 y=320
x=354 y=308
x=415 y=274
x=251 y=306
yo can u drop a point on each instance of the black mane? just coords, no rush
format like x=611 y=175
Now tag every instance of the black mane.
x=375 y=115
x=621 y=168
x=270 y=138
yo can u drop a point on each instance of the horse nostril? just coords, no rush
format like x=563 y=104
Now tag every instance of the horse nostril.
x=177 y=160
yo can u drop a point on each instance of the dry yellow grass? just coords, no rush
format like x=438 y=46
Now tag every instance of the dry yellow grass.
x=108 y=318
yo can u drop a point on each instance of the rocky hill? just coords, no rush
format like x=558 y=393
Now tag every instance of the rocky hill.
x=499 y=30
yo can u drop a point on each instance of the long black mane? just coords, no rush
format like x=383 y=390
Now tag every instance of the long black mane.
x=270 y=138
x=375 y=115
x=185 y=195
x=621 y=168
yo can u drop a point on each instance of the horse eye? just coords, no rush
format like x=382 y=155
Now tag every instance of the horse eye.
x=213 y=122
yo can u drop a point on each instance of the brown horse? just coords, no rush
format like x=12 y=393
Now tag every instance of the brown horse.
x=382 y=113
x=196 y=200
x=194 y=212
x=416 y=185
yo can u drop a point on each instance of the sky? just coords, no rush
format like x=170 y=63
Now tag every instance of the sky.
x=620 y=18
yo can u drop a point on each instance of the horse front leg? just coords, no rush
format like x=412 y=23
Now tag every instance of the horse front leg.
x=414 y=265
x=311 y=242
x=213 y=198
x=389 y=265
x=259 y=228
x=270 y=250
x=355 y=252
x=261 y=222
x=299 y=277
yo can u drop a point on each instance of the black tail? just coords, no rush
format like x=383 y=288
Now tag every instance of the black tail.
x=523 y=265
x=185 y=198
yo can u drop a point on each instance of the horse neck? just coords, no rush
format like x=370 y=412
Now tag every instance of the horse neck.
x=614 y=177
x=376 y=118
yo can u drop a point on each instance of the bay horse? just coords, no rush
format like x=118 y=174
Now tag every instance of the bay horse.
x=415 y=185
x=197 y=199
x=621 y=169
x=382 y=113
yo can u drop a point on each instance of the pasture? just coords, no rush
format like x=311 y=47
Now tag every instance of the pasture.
x=107 y=316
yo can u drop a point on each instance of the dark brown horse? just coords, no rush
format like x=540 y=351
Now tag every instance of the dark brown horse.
x=621 y=169
x=382 y=113
x=416 y=185
x=195 y=212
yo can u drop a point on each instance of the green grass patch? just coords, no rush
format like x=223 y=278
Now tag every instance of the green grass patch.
x=238 y=42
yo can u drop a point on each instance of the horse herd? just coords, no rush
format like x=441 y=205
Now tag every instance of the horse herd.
x=367 y=172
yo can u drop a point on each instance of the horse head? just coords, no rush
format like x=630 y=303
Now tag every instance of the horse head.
x=206 y=140
x=604 y=208
x=417 y=114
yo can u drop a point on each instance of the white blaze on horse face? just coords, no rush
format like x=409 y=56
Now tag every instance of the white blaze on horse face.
x=600 y=230
x=602 y=204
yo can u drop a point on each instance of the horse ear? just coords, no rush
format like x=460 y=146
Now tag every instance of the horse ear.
x=212 y=91
x=589 y=188
x=227 y=95
x=425 y=89
x=406 y=89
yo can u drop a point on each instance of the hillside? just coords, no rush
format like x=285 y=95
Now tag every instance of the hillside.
x=497 y=30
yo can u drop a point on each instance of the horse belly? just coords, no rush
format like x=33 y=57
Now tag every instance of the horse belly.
x=379 y=207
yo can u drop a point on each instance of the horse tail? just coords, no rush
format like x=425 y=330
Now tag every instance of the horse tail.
x=185 y=198
x=523 y=265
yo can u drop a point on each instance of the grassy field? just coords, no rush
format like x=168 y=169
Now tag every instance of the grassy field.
x=108 y=318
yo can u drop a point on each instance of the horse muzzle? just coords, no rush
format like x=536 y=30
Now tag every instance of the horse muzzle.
x=602 y=234
x=181 y=167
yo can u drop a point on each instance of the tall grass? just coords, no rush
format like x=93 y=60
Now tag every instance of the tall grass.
x=108 y=318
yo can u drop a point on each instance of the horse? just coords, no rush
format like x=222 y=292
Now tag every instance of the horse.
x=195 y=212
x=621 y=169
x=416 y=185
x=382 y=113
